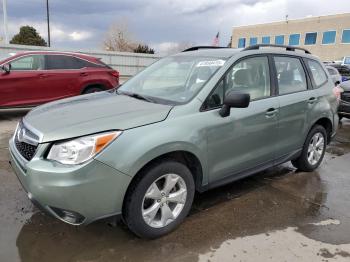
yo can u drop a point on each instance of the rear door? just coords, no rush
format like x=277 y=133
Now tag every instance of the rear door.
x=63 y=76
x=296 y=98
x=23 y=85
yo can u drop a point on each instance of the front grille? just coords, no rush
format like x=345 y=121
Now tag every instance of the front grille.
x=25 y=141
x=345 y=96
x=25 y=149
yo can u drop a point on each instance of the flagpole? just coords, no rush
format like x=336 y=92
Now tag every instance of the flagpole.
x=4 y=9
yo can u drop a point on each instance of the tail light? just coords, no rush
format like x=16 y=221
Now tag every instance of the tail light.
x=337 y=90
x=115 y=74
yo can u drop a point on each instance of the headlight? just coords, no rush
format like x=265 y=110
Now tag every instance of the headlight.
x=81 y=149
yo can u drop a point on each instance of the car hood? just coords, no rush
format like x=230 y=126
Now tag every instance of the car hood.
x=88 y=114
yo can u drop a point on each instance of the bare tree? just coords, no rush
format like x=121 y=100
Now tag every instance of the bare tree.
x=119 y=38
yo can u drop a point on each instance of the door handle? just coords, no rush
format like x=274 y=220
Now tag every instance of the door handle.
x=312 y=100
x=271 y=112
x=84 y=74
x=43 y=75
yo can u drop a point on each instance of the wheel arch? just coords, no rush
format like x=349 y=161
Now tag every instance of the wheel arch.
x=93 y=84
x=185 y=157
x=327 y=124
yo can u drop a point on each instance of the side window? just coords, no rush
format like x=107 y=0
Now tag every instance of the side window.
x=290 y=75
x=34 y=62
x=331 y=71
x=250 y=75
x=344 y=71
x=81 y=63
x=318 y=74
x=63 y=62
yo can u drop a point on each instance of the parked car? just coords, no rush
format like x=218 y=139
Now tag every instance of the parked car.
x=344 y=106
x=346 y=60
x=189 y=122
x=33 y=78
x=344 y=71
x=336 y=77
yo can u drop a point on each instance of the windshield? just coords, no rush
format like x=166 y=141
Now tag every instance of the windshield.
x=173 y=80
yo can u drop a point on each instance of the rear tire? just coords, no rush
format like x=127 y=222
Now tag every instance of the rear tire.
x=93 y=89
x=313 y=150
x=153 y=209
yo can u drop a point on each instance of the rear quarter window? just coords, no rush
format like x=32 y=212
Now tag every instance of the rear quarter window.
x=318 y=74
x=332 y=71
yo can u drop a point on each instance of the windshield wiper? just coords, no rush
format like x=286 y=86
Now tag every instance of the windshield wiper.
x=135 y=95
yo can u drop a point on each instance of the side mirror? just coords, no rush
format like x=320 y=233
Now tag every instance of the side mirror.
x=235 y=99
x=6 y=68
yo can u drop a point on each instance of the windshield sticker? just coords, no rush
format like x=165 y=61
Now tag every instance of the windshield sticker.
x=211 y=63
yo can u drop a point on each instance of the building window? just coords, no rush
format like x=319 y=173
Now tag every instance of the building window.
x=241 y=43
x=294 y=39
x=253 y=41
x=279 y=39
x=265 y=40
x=328 y=37
x=345 y=39
x=310 y=38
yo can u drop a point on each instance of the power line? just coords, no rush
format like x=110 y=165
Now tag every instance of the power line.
x=48 y=23
x=4 y=9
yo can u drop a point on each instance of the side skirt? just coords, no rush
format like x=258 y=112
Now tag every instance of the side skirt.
x=248 y=172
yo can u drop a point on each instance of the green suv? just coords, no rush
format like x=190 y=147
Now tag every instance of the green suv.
x=187 y=123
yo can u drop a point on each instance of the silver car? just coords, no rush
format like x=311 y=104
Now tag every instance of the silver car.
x=336 y=77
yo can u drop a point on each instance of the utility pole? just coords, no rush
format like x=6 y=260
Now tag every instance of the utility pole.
x=4 y=9
x=48 y=23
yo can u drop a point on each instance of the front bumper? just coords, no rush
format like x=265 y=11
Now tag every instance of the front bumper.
x=91 y=191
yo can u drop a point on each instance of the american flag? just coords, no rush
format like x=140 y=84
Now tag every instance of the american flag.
x=216 y=40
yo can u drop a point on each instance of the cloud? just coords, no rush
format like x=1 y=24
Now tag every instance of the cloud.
x=165 y=46
x=78 y=36
x=158 y=22
x=59 y=32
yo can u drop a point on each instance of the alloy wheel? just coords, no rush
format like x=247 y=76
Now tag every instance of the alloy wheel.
x=316 y=148
x=164 y=200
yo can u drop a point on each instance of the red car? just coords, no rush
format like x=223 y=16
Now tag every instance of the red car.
x=33 y=78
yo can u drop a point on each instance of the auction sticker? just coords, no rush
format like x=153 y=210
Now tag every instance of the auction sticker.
x=219 y=62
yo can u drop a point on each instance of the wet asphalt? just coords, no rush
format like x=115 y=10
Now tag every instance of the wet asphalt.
x=276 y=215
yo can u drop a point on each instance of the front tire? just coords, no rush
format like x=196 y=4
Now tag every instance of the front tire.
x=93 y=89
x=159 y=199
x=313 y=150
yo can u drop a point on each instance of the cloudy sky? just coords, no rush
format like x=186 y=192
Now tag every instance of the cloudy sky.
x=159 y=23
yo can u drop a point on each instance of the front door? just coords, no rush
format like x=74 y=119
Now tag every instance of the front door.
x=247 y=138
x=23 y=84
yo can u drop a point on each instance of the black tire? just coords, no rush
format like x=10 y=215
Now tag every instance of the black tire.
x=132 y=212
x=302 y=163
x=93 y=89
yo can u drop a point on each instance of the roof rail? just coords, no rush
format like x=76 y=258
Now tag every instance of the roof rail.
x=195 y=48
x=287 y=47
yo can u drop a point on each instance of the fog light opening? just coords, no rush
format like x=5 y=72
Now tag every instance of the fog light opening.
x=68 y=216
